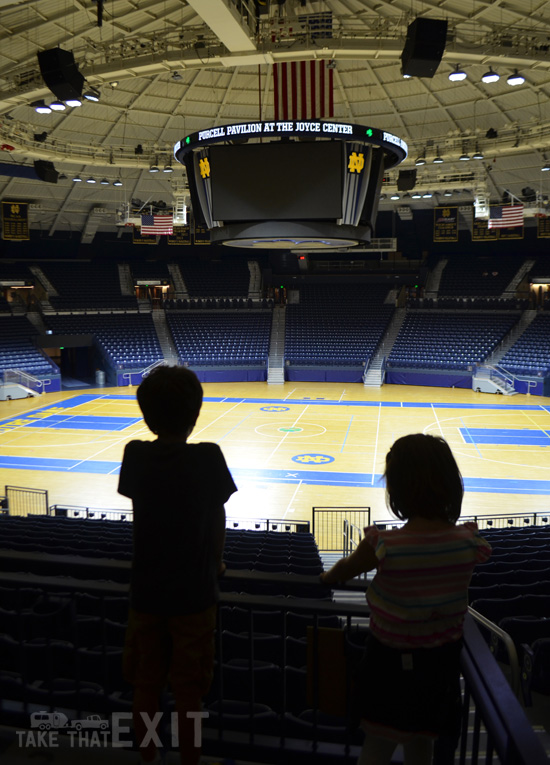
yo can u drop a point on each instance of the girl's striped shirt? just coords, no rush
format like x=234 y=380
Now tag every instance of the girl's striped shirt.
x=419 y=595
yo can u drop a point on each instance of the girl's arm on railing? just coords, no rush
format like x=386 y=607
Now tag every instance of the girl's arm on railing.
x=361 y=560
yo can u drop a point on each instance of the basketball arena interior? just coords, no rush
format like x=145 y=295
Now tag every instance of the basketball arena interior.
x=336 y=213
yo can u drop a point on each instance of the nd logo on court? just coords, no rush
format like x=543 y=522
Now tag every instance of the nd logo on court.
x=313 y=459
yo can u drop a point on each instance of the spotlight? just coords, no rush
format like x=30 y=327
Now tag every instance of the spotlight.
x=515 y=79
x=478 y=154
x=91 y=180
x=57 y=106
x=73 y=102
x=457 y=74
x=41 y=107
x=104 y=182
x=118 y=182
x=77 y=179
x=91 y=94
x=490 y=76
x=421 y=160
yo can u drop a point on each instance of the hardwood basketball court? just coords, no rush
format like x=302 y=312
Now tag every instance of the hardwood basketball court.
x=289 y=447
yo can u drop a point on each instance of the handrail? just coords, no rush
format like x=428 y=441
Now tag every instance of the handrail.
x=508 y=644
x=24 y=377
x=510 y=734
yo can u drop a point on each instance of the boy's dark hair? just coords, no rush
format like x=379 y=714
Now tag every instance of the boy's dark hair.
x=170 y=399
x=423 y=479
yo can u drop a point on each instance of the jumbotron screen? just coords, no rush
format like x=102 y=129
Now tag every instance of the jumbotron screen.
x=277 y=181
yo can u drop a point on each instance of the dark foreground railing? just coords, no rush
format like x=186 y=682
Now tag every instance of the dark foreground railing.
x=494 y=727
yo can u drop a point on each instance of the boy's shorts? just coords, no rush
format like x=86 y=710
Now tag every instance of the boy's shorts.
x=179 y=649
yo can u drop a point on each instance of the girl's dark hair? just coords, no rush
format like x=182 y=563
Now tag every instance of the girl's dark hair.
x=423 y=479
x=170 y=399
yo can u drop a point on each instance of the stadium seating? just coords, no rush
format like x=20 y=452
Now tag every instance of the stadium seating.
x=127 y=340
x=207 y=339
x=17 y=351
x=87 y=286
x=336 y=325
x=530 y=354
x=448 y=340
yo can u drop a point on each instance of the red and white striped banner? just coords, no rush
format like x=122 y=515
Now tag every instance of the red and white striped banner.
x=303 y=90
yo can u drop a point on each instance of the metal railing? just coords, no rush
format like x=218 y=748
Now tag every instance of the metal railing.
x=19 y=377
x=24 y=501
x=326 y=524
x=500 y=728
x=352 y=536
x=254 y=524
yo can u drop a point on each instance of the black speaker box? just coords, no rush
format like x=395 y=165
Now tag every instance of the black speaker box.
x=406 y=180
x=424 y=47
x=60 y=73
x=45 y=171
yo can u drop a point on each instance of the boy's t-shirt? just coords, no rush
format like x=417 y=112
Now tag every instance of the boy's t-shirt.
x=178 y=491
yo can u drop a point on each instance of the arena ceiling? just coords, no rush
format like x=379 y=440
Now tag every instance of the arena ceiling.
x=167 y=68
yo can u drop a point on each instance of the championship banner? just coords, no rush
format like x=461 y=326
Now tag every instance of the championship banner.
x=15 y=221
x=543 y=228
x=445 y=224
x=201 y=235
x=139 y=238
x=180 y=235
x=511 y=233
x=481 y=232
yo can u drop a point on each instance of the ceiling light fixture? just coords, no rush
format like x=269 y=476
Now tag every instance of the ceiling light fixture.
x=92 y=94
x=427 y=195
x=546 y=167
x=104 y=182
x=41 y=107
x=118 y=182
x=395 y=196
x=478 y=154
x=154 y=169
x=91 y=180
x=447 y=193
x=416 y=195
x=515 y=79
x=57 y=106
x=168 y=169
x=464 y=157
x=176 y=76
x=73 y=102
x=77 y=179
x=438 y=159
x=457 y=75
x=421 y=160
x=490 y=76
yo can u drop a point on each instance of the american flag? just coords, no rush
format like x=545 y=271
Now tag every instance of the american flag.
x=505 y=216
x=303 y=90
x=157 y=224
